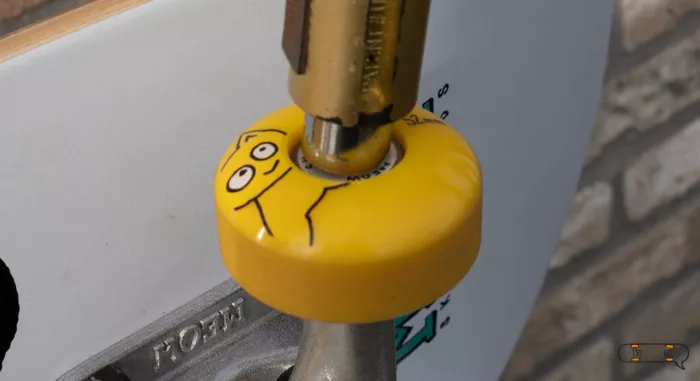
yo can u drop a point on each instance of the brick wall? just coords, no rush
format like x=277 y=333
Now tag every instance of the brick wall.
x=14 y=8
x=16 y=14
x=627 y=267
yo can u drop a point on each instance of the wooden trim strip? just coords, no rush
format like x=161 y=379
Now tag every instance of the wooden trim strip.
x=55 y=27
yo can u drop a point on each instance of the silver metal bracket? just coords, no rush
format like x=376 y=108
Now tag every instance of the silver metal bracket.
x=223 y=335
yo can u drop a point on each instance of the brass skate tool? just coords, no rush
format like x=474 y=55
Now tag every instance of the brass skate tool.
x=355 y=67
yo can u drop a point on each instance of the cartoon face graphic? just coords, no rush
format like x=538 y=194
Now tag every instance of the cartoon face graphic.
x=255 y=164
x=260 y=175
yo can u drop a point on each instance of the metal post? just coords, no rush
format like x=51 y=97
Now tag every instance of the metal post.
x=346 y=352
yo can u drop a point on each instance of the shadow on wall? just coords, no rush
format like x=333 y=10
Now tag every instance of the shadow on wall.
x=9 y=310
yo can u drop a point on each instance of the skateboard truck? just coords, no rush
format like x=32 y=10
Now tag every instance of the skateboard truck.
x=352 y=207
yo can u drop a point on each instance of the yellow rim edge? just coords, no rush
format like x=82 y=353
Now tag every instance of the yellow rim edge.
x=382 y=273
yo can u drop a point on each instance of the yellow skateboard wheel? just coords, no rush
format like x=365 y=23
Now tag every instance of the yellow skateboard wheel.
x=352 y=249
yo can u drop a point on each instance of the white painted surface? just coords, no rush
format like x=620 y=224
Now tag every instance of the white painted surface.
x=110 y=136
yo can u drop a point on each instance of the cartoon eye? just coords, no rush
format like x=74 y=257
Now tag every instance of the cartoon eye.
x=263 y=151
x=240 y=178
